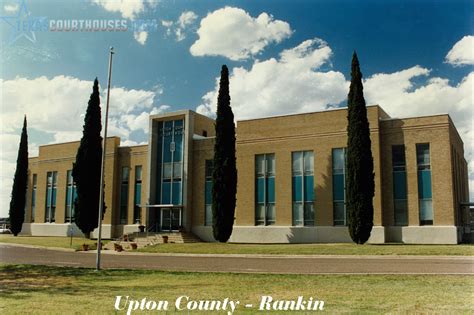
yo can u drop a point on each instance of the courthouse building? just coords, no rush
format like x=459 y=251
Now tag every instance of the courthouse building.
x=291 y=180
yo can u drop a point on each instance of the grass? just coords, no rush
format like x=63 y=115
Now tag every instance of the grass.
x=64 y=290
x=264 y=249
x=48 y=241
x=312 y=249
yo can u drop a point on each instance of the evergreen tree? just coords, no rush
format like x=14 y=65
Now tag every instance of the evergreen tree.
x=224 y=177
x=86 y=169
x=360 y=164
x=18 y=201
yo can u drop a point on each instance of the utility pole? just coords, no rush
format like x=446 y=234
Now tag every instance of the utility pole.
x=102 y=169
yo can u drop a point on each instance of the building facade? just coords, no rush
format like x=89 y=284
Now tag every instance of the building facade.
x=291 y=180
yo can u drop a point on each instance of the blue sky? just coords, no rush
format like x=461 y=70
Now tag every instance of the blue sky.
x=284 y=57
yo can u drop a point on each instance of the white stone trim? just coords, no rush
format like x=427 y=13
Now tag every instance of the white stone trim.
x=289 y=234
x=427 y=234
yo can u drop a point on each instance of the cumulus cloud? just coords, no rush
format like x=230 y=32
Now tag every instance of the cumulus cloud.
x=233 y=33
x=186 y=18
x=56 y=107
x=462 y=52
x=141 y=37
x=295 y=83
x=396 y=93
x=11 y=8
x=181 y=25
x=128 y=9
x=291 y=84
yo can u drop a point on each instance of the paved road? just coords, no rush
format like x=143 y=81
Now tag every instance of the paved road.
x=244 y=263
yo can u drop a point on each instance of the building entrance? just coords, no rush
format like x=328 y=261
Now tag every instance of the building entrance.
x=170 y=219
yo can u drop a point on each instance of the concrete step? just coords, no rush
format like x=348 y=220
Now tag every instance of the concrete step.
x=144 y=239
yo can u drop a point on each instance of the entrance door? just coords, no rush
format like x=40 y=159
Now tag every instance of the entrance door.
x=170 y=219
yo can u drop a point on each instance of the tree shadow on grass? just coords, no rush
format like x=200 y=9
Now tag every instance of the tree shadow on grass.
x=23 y=281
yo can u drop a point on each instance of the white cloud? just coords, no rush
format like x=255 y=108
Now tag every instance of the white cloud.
x=56 y=107
x=124 y=124
x=11 y=8
x=167 y=25
x=187 y=18
x=462 y=52
x=396 y=93
x=292 y=84
x=128 y=9
x=295 y=83
x=233 y=33
x=141 y=37
x=181 y=25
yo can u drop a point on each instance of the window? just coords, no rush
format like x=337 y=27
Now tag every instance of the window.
x=208 y=193
x=137 y=217
x=265 y=189
x=124 y=195
x=400 y=205
x=71 y=195
x=303 y=187
x=339 y=185
x=171 y=146
x=51 y=188
x=33 y=198
x=424 y=183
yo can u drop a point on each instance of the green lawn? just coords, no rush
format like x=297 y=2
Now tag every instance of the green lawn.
x=62 y=290
x=48 y=241
x=267 y=249
x=312 y=249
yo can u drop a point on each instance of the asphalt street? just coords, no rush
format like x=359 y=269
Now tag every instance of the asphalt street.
x=14 y=254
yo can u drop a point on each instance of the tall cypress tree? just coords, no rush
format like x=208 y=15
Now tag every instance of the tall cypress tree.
x=86 y=169
x=18 y=201
x=360 y=165
x=224 y=176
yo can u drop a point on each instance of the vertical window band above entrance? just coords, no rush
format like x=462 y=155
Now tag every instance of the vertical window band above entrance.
x=170 y=155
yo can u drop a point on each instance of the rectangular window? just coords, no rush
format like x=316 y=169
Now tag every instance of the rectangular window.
x=51 y=188
x=424 y=183
x=171 y=150
x=71 y=195
x=137 y=217
x=339 y=185
x=208 y=193
x=124 y=195
x=400 y=205
x=303 y=188
x=33 y=198
x=265 y=189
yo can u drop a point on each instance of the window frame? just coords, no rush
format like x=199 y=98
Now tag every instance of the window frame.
x=301 y=174
x=268 y=175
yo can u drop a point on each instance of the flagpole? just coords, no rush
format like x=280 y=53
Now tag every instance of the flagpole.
x=102 y=169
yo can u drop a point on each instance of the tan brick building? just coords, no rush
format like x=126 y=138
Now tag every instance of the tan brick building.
x=291 y=182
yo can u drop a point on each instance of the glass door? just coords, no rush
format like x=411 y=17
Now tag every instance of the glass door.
x=170 y=219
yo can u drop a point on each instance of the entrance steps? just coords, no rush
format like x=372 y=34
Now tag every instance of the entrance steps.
x=144 y=239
